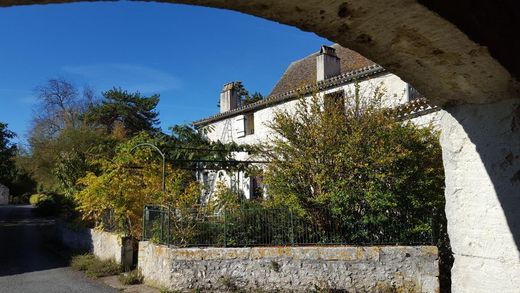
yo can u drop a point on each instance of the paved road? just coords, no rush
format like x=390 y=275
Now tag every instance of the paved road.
x=26 y=265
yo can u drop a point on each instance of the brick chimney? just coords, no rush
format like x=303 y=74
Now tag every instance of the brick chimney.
x=229 y=99
x=327 y=63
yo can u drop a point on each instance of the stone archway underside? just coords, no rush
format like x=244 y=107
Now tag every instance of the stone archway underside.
x=476 y=86
x=402 y=35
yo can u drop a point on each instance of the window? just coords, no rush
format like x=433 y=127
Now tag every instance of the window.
x=250 y=124
x=334 y=101
x=240 y=126
x=245 y=125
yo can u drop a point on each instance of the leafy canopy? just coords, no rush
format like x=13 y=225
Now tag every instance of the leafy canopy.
x=121 y=109
x=357 y=162
x=7 y=153
x=130 y=180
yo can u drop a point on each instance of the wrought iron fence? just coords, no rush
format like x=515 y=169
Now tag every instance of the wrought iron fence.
x=110 y=223
x=273 y=227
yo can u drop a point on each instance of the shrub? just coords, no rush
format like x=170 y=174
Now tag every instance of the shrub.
x=82 y=262
x=125 y=191
x=102 y=268
x=355 y=165
x=131 y=278
x=36 y=198
x=94 y=267
x=48 y=204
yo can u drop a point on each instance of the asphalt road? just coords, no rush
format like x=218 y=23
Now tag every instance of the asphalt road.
x=26 y=263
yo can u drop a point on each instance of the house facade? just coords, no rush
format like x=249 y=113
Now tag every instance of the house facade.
x=332 y=72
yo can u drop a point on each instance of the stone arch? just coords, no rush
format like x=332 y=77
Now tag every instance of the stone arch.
x=478 y=90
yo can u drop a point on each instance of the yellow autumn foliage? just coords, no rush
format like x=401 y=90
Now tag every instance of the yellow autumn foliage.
x=128 y=182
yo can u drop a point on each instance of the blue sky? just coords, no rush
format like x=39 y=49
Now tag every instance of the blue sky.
x=184 y=53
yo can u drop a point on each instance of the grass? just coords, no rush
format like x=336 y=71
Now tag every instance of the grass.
x=95 y=267
x=131 y=278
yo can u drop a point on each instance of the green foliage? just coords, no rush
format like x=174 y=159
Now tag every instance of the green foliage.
x=245 y=97
x=359 y=164
x=95 y=267
x=47 y=205
x=132 y=278
x=251 y=99
x=53 y=204
x=36 y=198
x=82 y=262
x=275 y=266
x=7 y=154
x=57 y=162
x=131 y=179
x=132 y=111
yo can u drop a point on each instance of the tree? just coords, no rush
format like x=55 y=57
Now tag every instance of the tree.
x=355 y=165
x=7 y=154
x=188 y=145
x=60 y=106
x=250 y=99
x=126 y=112
x=56 y=118
x=128 y=181
x=244 y=96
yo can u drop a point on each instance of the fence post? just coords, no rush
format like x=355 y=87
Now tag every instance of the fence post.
x=144 y=225
x=169 y=228
x=225 y=230
x=292 y=227
x=432 y=234
x=162 y=224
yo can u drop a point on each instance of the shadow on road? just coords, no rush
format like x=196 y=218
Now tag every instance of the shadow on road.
x=24 y=240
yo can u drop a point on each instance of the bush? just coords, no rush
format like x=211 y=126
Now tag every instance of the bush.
x=95 y=267
x=131 y=278
x=102 y=268
x=82 y=262
x=47 y=204
x=54 y=204
x=36 y=198
x=357 y=165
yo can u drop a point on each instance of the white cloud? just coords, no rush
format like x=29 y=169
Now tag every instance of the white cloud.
x=130 y=77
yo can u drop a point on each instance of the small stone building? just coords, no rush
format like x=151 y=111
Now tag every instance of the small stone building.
x=4 y=195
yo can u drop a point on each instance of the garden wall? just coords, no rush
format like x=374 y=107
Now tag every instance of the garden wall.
x=104 y=245
x=292 y=269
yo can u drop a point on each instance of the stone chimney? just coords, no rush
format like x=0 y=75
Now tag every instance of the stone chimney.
x=327 y=63
x=229 y=99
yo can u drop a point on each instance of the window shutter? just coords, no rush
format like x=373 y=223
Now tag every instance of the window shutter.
x=240 y=126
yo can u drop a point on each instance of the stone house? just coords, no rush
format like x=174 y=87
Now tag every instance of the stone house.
x=332 y=72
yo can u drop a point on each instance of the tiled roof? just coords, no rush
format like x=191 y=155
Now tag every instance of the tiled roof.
x=303 y=72
x=296 y=92
x=300 y=78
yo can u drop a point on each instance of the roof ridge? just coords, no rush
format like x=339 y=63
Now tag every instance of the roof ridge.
x=344 y=77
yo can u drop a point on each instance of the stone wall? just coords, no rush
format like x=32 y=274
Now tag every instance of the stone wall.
x=292 y=269
x=104 y=245
x=4 y=194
